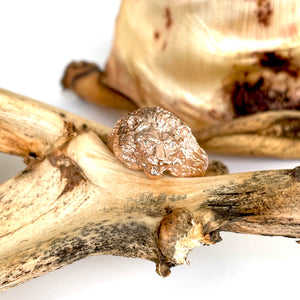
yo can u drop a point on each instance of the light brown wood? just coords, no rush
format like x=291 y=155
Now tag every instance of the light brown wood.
x=270 y=133
x=86 y=80
x=210 y=66
x=75 y=199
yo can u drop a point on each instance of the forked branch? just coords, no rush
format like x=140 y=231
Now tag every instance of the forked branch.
x=75 y=199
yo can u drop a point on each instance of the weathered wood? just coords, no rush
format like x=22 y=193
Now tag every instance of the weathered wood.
x=221 y=78
x=75 y=199
x=267 y=133
x=87 y=81
x=270 y=133
x=32 y=128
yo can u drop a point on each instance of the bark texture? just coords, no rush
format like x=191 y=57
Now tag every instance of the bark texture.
x=76 y=199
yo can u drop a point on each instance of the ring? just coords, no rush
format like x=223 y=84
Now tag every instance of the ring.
x=154 y=140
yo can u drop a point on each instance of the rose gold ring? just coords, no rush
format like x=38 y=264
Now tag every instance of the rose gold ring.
x=154 y=140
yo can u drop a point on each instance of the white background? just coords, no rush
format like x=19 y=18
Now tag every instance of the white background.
x=37 y=40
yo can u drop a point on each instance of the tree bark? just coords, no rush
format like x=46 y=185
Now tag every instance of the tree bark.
x=76 y=199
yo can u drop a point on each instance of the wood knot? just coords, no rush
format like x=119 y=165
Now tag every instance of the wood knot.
x=178 y=234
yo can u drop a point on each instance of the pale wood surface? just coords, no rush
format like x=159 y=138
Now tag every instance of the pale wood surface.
x=75 y=199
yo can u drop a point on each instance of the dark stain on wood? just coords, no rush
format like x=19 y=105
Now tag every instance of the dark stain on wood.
x=248 y=98
x=70 y=128
x=69 y=170
x=278 y=63
x=275 y=89
x=252 y=197
x=169 y=20
x=259 y=205
x=264 y=12
x=84 y=127
x=156 y=35
x=33 y=154
x=132 y=239
x=153 y=205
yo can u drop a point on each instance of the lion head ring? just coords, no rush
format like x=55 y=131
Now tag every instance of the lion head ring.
x=154 y=140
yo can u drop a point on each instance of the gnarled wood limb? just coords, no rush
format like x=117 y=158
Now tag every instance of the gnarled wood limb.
x=270 y=133
x=32 y=128
x=274 y=133
x=87 y=81
x=75 y=199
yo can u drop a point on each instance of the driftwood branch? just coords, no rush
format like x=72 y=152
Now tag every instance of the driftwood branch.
x=270 y=133
x=273 y=133
x=75 y=199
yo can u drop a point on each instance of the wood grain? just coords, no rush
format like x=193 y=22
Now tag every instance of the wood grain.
x=76 y=199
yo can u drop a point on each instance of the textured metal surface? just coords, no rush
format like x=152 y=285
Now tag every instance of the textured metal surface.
x=154 y=140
